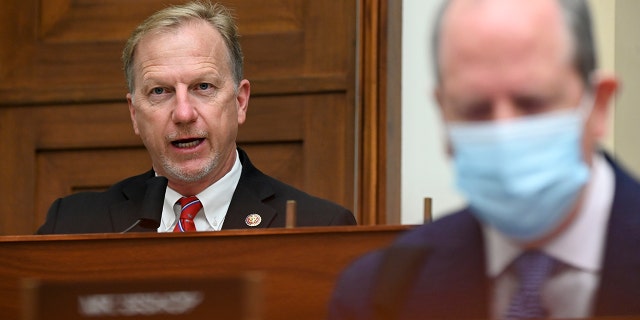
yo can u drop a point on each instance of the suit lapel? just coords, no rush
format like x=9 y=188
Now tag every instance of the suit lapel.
x=466 y=280
x=620 y=278
x=247 y=209
x=125 y=213
x=453 y=283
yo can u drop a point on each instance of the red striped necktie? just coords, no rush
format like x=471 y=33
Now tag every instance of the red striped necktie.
x=190 y=207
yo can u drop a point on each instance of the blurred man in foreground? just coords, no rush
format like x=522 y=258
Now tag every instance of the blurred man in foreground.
x=553 y=223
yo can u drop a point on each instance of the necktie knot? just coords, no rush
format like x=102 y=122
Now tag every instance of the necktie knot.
x=189 y=209
x=532 y=269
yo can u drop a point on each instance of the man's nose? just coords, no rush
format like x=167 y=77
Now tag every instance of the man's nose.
x=504 y=109
x=184 y=110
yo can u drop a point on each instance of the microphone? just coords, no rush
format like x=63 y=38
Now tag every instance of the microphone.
x=151 y=211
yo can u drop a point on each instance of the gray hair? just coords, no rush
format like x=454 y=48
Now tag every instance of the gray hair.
x=218 y=16
x=577 y=17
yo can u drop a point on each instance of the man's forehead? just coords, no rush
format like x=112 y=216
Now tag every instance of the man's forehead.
x=485 y=7
x=502 y=32
x=190 y=33
x=502 y=18
x=192 y=43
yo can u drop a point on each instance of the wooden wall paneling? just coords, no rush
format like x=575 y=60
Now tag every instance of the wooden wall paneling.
x=320 y=125
x=63 y=172
x=99 y=125
x=272 y=38
x=73 y=53
x=273 y=118
x=83 y=39
x=62 y=90
x=73 y=151
x=326 y=78
x=17 y=171
x=280 y=160
x=273 y=135
x=331 y=29
x=329 y=139
x=68 y=49
x=15 y=26
x=323 y=77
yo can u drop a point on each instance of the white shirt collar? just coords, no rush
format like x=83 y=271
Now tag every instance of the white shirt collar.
x=581 y=245
x=215 y=201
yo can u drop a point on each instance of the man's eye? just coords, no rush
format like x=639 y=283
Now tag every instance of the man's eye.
x=204 y=86
x=157 y=90
x=531 y=105
x=478 y=111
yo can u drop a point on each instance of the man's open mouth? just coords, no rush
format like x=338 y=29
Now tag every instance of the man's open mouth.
x=187 y=143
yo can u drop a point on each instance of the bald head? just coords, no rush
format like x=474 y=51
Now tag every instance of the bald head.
x=500 y=34
x=567 y=20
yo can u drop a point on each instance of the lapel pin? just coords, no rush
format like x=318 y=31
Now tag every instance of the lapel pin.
x=253 y=220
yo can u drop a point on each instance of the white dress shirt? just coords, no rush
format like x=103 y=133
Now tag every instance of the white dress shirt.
x=215 y=201
x=570 y=292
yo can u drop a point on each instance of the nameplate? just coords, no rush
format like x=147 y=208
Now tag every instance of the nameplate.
x=229 y=297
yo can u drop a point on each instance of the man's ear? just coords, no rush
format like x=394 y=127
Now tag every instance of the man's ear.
x=132 y=113
x=242 y=100
x=605 y=88
x=437 y=95
x=439 y=98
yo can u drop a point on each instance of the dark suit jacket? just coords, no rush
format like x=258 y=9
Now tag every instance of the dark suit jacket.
x=120 y=206
x=451 y=282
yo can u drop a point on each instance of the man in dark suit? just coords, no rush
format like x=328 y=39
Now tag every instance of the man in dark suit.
x=553 y=224
x=186 y=99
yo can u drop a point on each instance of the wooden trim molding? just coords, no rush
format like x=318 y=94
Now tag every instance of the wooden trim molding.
x=380 y=99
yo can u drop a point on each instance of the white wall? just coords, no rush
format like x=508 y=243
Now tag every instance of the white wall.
x=425 y=168
x=603 y=14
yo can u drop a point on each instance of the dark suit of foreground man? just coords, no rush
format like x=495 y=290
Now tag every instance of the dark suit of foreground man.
x=186 y=98
x=523 y=108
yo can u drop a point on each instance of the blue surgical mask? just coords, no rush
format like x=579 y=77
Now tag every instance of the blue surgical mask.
x=522 y=176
